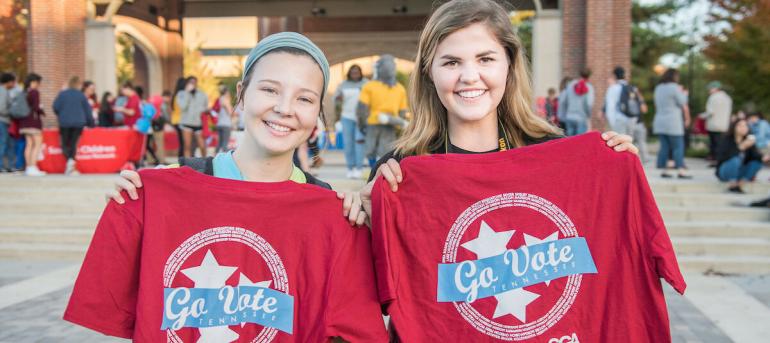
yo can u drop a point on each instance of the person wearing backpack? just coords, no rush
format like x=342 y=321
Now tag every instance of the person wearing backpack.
x=31 y=125
x=623 y=110
x=623 y=104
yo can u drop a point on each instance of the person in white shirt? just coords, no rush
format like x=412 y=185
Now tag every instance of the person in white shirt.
x=719 y=106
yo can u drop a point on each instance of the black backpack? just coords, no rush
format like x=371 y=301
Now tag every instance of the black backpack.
x=630 y=104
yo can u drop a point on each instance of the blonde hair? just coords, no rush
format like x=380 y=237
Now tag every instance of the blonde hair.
x=515 y=111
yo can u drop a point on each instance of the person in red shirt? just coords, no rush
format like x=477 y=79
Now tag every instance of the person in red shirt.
x=131 y=110
x=202 y=272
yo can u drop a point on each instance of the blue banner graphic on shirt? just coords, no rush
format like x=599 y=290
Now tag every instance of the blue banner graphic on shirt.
x=210 y=307
x=477 y=279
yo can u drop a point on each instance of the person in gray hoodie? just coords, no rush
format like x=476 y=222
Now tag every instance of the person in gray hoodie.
x=192 y=102
x=577 y=101
x=74 y=112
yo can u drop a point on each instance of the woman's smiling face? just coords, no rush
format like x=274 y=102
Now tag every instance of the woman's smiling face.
x=469 y=70
x=281 y=104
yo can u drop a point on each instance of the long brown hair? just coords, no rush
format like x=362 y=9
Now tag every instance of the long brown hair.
x=515 y=111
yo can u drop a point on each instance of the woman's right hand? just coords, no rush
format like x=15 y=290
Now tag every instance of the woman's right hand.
x=128 y=181
x=391 y=171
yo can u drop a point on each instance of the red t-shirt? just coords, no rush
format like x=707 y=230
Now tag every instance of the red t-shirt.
x=198 y=257
x=133 y=103
x=556 y=242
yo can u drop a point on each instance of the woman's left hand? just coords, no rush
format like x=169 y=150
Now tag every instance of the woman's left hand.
x=619 y=142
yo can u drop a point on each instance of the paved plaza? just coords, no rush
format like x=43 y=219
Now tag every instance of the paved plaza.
x=35 y=286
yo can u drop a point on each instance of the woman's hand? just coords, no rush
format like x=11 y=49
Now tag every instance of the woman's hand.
x=128 y=181
x=391 y=171
x=620 y=143
x=351 y=207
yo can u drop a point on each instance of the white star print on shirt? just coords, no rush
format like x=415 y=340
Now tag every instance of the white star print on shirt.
x=491 y=243
x=212 y=275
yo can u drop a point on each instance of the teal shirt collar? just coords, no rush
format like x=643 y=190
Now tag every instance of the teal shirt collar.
x=225 y=167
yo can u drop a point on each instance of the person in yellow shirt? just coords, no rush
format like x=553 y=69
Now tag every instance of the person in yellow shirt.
x=381 y=108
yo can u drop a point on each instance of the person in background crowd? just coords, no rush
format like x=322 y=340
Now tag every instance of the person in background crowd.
x=192 y=102
x=565 y=81
x=353 y=139
x=760 y=128
x=176 y=114
x=382 y=106
x=159 y=126
x=74 y=112
x=672 y=115
x=719 y=107
x=106 y=114
x=552 y=107
x=623 y=104
x=7 y=92
x=225 y=117
x=738 y=159
x=144 y=125
x=31 y=126
x=89 y=90
x=131 y=109
x=577 y=101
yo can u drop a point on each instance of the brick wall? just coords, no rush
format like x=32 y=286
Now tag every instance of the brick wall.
x=56 y=46
x=596 y=34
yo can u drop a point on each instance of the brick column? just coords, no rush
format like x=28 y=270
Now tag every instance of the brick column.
x=56 y=46
x=573 y=37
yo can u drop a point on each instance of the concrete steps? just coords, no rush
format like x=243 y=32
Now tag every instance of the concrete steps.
x=723 y=213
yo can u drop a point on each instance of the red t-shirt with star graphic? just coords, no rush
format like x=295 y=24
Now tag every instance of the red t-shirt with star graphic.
x=205 y=259
x=556 y=242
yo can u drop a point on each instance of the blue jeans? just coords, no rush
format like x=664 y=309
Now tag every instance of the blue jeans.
x=575 y=127
x=6 y=147
x=735 y=170
x=353 y=144
x=21 y=143
x=671 y=147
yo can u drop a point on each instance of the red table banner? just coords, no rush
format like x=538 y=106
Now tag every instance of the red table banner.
x=100 y=150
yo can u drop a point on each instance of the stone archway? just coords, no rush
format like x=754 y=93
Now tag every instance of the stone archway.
x=344 y=46
x=154 y=67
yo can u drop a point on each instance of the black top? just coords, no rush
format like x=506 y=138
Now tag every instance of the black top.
x=728 y=149
x=206 y=166
x=452 y=149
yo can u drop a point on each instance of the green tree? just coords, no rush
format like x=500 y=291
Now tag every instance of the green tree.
x=13 y=37
x=649 y=42
x=124 y=63
x=740 y=54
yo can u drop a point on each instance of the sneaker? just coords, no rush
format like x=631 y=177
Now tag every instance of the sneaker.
x=70 y=167
x=34 y=171
x=736 y=189
x=349 y=174
x=684 y=176
x=666 y=175
x=357 y=173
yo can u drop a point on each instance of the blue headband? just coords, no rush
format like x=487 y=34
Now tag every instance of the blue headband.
x=287 y=40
